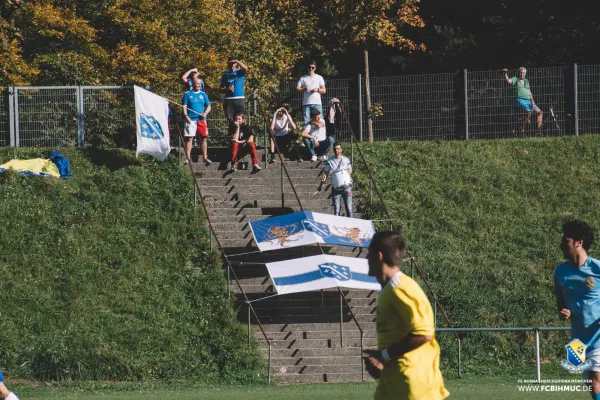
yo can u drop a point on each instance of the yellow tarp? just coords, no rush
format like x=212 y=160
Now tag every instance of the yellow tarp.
x=35 y=166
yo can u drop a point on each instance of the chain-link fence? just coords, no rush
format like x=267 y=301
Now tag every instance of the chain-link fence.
x=588 y=99
x=493 y=111
x=462 y=105
x=417 y=107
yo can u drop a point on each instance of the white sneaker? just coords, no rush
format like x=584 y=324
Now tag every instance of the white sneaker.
x=256 y=167
x=233 y=167
x=313 y=158
x=323 y=158
x=185 y=162
x=207 y=162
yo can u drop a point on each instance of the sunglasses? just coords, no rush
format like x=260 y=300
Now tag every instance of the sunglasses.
x=312 y=67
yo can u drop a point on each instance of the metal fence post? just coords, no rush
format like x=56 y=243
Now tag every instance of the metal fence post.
x=466 y=104
x=80 y=118
x=459 y=359
x=341 y=322
x=537 y=356
x=282 y=194
x=16 y=115
x=269 y=365
x=576 y=110
x=11 y=114
x=360 y=110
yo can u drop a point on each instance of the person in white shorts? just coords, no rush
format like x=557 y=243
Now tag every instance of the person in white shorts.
x=196 y=107
x=577 y=290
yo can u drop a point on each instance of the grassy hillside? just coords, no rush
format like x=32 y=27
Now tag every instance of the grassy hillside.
x=483 y=219
x=110 y=276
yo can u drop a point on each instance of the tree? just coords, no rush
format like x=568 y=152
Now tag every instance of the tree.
x=371 y=24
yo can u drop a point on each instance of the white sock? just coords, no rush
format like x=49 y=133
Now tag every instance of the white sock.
x=11 y=396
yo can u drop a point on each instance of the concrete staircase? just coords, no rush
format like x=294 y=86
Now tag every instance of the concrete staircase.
x=313 y=336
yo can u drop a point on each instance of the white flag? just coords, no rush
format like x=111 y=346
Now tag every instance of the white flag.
x=152 y=122
x=321 y=272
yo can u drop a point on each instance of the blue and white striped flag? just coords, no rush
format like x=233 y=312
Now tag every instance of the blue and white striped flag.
x=152 y=122
x=321 y=272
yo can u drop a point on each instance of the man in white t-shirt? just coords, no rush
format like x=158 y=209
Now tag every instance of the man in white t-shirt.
x=339 y=164
x=312 y=86
x=315 y=137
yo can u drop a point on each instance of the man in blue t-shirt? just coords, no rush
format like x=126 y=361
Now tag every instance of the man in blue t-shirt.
x=577 y=290
x=4 y=393
x=196 y=107
x=232 y=83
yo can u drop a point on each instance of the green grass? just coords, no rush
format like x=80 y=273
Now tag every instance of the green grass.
x=110 y=276
x=470 y=388
x=483 y=219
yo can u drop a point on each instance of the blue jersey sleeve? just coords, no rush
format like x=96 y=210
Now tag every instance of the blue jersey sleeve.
x=206 y=101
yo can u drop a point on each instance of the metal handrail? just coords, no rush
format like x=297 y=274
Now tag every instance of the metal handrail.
x=229 y=266
x=272 y=137
x=374 y=184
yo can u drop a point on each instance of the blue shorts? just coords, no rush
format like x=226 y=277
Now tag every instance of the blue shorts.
x=526 y=105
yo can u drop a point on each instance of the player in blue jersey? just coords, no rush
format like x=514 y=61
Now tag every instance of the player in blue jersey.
x=5 y=394
x=196 y=107
x=577 y=290
x=232 y=83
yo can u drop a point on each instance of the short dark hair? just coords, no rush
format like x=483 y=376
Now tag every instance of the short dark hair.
x=312 y=62
x=337 y=144
x=391 y=245
x=314 y=112
x=579 y=230
x=230 y=59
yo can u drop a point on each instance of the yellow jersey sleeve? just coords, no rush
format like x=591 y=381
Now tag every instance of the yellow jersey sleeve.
x=414 y=308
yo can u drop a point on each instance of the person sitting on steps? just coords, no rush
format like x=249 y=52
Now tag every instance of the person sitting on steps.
x=315 y=137
x=242 y=142
x=280 y=126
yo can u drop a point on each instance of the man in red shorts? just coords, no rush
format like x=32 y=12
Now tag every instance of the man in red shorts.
x=196 y=107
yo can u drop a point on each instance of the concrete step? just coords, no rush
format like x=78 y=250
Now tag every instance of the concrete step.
x=331 y=342
x=272 y=173
x=330 y=377
x=302 y=335
x=315 y=352
x=327 y=301
x=319 y=203
x=308 y=327
x=241 y=178
x=222 y=164
x=307 y=319
x=288 y=197
x=264 y=187
x=324 y=359
x=282 y=370
x=304 y=310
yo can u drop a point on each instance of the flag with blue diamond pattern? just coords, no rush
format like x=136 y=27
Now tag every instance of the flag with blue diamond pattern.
x=152 y=122
x=321 y=272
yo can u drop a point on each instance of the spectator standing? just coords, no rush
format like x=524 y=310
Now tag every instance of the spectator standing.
x=4 y=393
x=280 y=126
x=315 y=137
x=232 y=83
x=312 y=86
x=242 y=142
x=196 y=107
x=524 y=97
x=340 y=169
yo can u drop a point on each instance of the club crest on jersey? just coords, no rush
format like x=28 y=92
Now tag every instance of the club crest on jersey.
x=576 y=362
x=339 y=272
x=150 y=127
x=589 y=281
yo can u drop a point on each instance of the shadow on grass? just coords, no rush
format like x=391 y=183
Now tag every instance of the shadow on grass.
x=112 y=159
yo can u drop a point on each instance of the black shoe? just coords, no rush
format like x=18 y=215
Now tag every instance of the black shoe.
x=272 y=160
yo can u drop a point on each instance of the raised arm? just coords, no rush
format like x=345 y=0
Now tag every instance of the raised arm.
x=292 y=123
x=508 y=80
x=273 y=120
x=186 y=75
x=243 y=66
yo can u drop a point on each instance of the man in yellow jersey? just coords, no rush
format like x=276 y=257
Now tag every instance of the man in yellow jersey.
x=407 y=363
